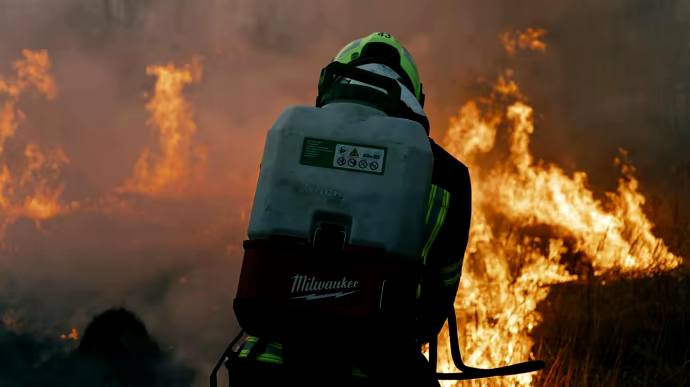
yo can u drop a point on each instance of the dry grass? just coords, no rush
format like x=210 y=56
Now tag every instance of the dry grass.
x=618 y=332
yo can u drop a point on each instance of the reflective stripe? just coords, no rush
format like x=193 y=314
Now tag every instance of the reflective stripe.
x=268 y=358
x=275 y=346
x=358 y=373
x=437 y=205
x=248 y=345
x=452 y=281
x=440 y=219
x=273 y=354
x=451 y=273
x=452 y=268
x=429 y=205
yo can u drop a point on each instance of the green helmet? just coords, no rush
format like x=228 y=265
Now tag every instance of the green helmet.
x=383 y=48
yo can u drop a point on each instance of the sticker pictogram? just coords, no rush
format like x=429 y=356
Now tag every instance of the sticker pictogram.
x=344 y=156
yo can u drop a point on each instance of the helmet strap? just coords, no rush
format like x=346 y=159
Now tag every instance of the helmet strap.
x=344 y=92
x=331 y=90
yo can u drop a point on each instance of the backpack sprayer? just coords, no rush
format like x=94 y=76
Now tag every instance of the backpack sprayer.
x=337 y=224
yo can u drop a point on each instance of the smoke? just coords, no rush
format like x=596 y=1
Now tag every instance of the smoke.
x=116 y=350
x=612 y=77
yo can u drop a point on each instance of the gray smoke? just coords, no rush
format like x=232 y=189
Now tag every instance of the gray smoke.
x=614 y=76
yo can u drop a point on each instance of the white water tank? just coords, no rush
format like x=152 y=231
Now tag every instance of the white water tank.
x=349 y=167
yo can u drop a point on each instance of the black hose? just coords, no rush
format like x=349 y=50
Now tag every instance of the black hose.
x=476 y=373
x=433 y=353
x=224 y=357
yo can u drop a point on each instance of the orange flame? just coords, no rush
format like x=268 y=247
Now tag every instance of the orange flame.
x=33 y=70
x=173 y=168
x=529 y=39
x=10 y=320
x=72 y=335
x=509 y=266
x=30 y=189
x=41 y=174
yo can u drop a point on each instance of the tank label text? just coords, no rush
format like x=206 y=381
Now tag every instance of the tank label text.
x=342 y=155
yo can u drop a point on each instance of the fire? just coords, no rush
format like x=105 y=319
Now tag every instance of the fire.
x=172 y=168
x=529 y=39
x=30 y=185
x=529 y=218
x=10 y=320
x=72 y=335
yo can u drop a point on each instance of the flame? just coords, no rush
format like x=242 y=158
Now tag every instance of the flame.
x=42 y=174
x=174 y=166
x=529 y=218
x=29 y=188
x=10 y=320
x=529 y=39
x=72 y=335
x=32 y=70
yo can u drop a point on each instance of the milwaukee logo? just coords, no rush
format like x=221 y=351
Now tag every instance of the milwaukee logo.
x=339 y=288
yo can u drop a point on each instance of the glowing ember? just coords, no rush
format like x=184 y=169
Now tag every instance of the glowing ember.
x=9 y=320
x=31 y=188
x=529 y=39
x=175 y=166
x=72 y=335
x=529 y=217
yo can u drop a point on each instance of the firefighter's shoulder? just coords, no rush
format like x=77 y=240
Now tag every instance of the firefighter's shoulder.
x=449 y=172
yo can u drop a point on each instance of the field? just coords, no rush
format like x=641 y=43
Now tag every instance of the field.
x=131 y=135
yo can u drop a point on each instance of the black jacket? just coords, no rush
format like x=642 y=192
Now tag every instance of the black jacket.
x=444 y=262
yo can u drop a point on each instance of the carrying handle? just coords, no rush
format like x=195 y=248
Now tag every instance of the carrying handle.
x=471 y=372
x=331 y=73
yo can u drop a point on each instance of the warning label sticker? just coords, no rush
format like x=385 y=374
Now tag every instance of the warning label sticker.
x=341 y=155
x=359 y=158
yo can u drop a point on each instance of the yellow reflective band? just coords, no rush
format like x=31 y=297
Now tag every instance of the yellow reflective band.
x=432 y=195
x=271 y=354
x=272 y=349
x=452 y=281
x=358 y=373
x=248 y=345
x=268 y=358
x=440 y=219
x=450 y=269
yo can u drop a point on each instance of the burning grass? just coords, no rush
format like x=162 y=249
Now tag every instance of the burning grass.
x=536 y=228
x=616 y=332
x=30 y=184
x=554 y=270
x=177 y=163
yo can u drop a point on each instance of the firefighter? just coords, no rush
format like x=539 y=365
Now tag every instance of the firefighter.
x=388 y=360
